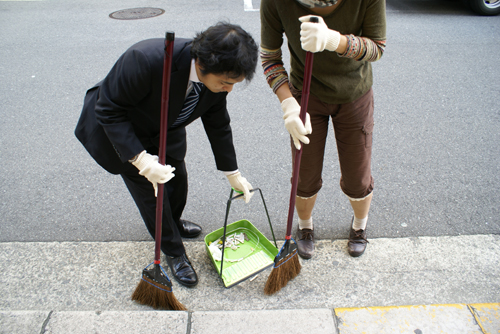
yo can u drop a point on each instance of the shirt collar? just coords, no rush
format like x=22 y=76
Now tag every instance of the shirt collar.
x=192 y=72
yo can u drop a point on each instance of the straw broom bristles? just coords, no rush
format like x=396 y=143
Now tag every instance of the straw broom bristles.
x=156 y=295
x=283 y=271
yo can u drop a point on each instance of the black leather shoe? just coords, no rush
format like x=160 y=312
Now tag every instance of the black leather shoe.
x=182 y=270
x=357 y=242
x=189 y=229
x=305 y=242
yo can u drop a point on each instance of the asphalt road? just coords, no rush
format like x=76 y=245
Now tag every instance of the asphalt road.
x=436 y=158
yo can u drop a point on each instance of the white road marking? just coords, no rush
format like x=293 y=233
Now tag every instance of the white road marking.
x=248 y=6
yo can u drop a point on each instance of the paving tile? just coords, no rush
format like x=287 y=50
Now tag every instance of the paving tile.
x=265 y=321
x=22 y=322
x=488 y=317
x=117 y=322
x=435 y=319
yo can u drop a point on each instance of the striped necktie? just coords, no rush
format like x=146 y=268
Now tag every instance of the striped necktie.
x=189 y=104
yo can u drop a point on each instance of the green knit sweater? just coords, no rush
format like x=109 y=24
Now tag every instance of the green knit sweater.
x=336 y=79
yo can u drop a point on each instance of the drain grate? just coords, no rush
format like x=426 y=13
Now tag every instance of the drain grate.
x=136 y=13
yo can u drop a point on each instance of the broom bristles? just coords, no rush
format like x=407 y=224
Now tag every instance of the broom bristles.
x=284 y=270
x=156 y=295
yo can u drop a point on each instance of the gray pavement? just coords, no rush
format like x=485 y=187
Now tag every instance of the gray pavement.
x=72 y=244
x=421 y=283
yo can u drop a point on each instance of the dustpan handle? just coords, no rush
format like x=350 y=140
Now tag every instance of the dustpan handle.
x=228 y=206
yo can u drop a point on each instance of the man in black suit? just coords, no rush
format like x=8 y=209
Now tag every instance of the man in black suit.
x=120 y=124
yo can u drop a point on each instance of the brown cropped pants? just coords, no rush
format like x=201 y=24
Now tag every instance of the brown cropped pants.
x=353 y=127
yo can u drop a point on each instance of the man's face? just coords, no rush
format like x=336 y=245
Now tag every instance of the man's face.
x=218 y=83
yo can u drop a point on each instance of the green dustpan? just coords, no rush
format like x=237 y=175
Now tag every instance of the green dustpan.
x=255 y=254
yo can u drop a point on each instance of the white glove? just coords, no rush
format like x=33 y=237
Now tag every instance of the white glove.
x=240 y=184
x=316 y=37
x=150 y=168
x=293 y=124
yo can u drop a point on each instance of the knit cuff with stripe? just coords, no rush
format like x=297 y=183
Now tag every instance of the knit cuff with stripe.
x=362 y=48
x=274 y=69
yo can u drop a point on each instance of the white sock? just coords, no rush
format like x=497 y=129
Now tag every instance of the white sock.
x=308 y=223
x=359 y=224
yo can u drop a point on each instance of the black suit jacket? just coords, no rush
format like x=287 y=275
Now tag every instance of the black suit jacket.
x=121 y=114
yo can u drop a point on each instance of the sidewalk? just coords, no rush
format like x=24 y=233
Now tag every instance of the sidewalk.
x=407 y=285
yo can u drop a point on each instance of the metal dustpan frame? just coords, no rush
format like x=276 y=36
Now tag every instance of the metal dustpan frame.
x=228 y=206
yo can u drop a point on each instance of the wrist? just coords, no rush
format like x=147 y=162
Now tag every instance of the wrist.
x=332 y=40
x=231 y=173
x=289 y=104
x=134 y=158
x=233 y=176
x=343 y=45
x=283 y=92
x=140 y=160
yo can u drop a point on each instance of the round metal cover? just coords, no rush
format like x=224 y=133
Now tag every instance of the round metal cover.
x=136 y=13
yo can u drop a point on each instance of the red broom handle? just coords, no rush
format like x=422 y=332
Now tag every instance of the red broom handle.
x=167 y=70
x=298 y=153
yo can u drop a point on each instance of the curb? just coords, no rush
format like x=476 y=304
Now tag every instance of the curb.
x=418 y=319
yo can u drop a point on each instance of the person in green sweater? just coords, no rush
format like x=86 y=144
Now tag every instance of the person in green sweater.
x=350 y=35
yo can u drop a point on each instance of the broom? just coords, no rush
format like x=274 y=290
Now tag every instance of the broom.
x=286 y=263
x=155 y=288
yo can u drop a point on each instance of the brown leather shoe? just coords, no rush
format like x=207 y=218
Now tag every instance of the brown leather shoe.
x=357 y=242
x=305 y=242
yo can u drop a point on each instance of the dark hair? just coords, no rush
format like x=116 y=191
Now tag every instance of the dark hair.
x=227 y=49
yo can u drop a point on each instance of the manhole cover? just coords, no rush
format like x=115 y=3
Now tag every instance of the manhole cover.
x=136 y=13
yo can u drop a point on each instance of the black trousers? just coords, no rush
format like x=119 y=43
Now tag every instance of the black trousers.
x=174 y=201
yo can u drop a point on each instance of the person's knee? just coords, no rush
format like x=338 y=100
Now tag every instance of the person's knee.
x=309 y=187
x=357 y=189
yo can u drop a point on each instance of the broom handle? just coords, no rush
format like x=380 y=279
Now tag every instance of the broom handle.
x=298 y=153
x=167 y=70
